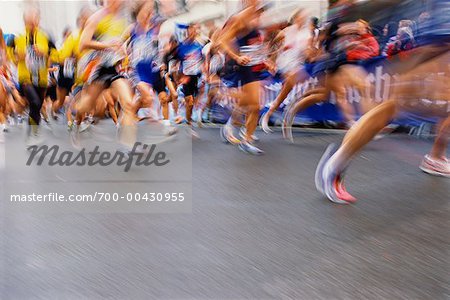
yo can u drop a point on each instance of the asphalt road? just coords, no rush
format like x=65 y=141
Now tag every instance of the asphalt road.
x=258 y=230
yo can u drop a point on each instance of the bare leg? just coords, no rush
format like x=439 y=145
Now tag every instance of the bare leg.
x=87 y=101
x=61 y=94
x=122 y=90
x=363 y=132
x=164 y=102
x=189 y=100
x=439 y=150
x=250 y=102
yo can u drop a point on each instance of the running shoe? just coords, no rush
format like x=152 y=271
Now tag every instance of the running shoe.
x=286 y=128
x=249 y=148
x=19 y=120
x=330 y=182
x=264 y=123
x=436 y=167
x=243 y=133
x=168 y=129
x=227 y=135
x=85 y=125
x=11 y=121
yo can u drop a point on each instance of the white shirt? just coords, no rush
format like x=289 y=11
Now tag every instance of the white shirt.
x=295 y=43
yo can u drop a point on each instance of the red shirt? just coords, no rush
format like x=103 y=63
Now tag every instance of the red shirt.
x=368 y=47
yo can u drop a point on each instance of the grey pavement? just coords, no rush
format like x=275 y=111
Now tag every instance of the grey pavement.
x=258 y=230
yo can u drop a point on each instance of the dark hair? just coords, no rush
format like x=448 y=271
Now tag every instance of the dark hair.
x=315 y=22
x=392 y=29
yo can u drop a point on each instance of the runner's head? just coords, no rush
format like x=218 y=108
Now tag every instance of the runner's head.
x=192 y=31
x=83 y=16
x=250 y=3
x=31 y=18
x=114 y=6
x=142 y=12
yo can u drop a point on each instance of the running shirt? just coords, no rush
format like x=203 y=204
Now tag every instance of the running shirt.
x=110 y=29
x=191 y=57
x=144 y=48
x=32 y=67
x=69 y=54
x=252 y=45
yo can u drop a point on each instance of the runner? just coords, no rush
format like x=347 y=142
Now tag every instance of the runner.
x=297 y=43
x=251 y=57
x=34 y=51
x=215 y=62
x=189 y=54
x=83 y=65
x=67 y=67
x=103 y=34
x=423 y=87
x=334 y=71
x=3 y=83
x=147 y=62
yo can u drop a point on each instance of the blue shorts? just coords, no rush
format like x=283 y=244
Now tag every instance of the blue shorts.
x=145 y=73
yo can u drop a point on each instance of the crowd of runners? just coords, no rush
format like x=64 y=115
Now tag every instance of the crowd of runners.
x=121 y=71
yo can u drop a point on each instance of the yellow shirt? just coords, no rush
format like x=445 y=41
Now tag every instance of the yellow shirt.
x=33 y=69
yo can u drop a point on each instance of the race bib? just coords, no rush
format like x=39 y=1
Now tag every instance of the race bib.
x=34 y=64
x=192 y=65
x=255 y=52
x=144 y=49
x=69 y=67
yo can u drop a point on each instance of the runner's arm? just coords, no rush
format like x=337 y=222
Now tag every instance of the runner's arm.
x=86 y=41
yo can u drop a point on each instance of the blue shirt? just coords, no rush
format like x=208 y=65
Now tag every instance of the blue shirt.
x=191 y=57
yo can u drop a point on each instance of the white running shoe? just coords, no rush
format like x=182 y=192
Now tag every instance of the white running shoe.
x=286 y=129
x=3 y=128
x=85 y=126
x=329 y=182
x=250 y=149
x=243 y=133
x=227 y=134
x=436 y=167
x=264 y=123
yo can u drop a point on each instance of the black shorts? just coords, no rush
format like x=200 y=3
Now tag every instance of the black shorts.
x=51 y=92
x=106 y=75
x=64 y=82
x=159 y=84
x=191 y=87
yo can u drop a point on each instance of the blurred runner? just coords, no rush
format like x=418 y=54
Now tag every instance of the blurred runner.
x=297 y=43
x=147 y=61
x=422 y=87
x=103 y=33
x=189 y=53
x=251 y=56
x=33 y=50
